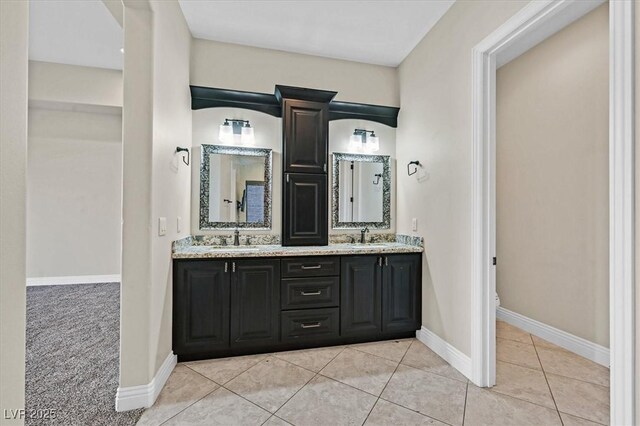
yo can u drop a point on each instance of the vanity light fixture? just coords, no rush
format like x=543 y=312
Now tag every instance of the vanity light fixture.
x=364 y=140
x=236 y=131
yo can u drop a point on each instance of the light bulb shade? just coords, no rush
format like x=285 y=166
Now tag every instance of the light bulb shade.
x=226 y=133
x=373 y=143
x=247 y=136
x=355 y=142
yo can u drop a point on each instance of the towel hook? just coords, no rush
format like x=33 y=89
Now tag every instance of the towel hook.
x=416 y=163
x=188 y=160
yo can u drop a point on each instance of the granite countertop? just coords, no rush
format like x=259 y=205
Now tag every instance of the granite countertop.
x=205 y=252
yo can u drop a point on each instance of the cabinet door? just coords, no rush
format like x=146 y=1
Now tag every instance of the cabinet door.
x=401 y=293
x=360 y=296
x=305 y=136
x=304 y=218
x=255 y=303
x=200 y=307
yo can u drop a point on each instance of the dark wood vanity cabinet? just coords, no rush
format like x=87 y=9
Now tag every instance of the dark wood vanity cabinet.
x=255 y=302
x=201 y=305
x=240 y=306
x=220 y=306
x=305 y=147
x=360 y=304
x=305 y=136
x=401 y=293
x=380 y=294
x=304 y=216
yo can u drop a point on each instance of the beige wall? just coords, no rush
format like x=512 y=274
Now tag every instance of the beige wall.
x=50 y=82
x=74 y=183
x=156 y=119
x=435 y=126
x=637 y=200
x=268 y=134
x=14 y=49
x=253 y=69
x=171 y=178
x=552 y=180
x=137 y=223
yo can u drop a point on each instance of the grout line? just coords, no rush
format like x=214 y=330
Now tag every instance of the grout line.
x=438 y=374
x=519 y=365
x=382 y=341
x=223 y=387
x=414 y=411
x=240 y=373
x=195 y=402
x=385 y=385
x=306 y=383
x=517 y=341
x=464 y=410
x=588 y=420
x=305 y=368
x=548 y=385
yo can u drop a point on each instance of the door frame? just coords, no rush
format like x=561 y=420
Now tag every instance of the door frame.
x=534 y=23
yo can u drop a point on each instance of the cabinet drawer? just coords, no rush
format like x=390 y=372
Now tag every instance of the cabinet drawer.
x=309 y=324
x=310 y=266
x=319 y=292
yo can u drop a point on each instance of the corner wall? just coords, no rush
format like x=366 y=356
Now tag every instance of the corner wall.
x=14 y=49
x=156 y=119
x=435 y=124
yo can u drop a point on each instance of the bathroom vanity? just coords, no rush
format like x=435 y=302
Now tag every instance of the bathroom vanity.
x=256 y=290
x=233 y=301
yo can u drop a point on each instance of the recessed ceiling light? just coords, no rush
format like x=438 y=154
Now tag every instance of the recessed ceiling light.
x=122 y=50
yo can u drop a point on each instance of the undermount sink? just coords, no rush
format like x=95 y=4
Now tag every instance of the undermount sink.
x=242 y=248
x=368 y=246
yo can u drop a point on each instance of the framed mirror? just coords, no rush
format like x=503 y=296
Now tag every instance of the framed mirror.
x=235 y=187
x=361 y=191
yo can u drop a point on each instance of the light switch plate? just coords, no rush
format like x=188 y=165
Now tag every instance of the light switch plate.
x=179 y=224
x=414 y=224
x=162 y=226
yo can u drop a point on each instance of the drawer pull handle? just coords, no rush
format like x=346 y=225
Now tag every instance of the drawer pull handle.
x=311 y=267
x=310 y=325
x=311 y=293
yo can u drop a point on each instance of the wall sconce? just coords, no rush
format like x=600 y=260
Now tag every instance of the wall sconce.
x=364 y=140
x=236 y=131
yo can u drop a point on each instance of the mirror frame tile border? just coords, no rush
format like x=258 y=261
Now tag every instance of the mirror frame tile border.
x=205 y=165
x=386 y=190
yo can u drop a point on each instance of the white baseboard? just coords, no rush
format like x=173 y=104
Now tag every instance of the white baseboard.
x=446 y=351
x=143 y=396
x=78 y=279
x=568 y=341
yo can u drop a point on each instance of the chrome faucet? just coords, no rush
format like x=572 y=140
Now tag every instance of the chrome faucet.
x=236 y=238
x=363 y=231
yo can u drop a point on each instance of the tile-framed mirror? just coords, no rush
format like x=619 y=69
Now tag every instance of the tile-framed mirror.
x=361 y=191
x=235 y=187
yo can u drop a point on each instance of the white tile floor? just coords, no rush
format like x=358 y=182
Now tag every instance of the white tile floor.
x=397 y=382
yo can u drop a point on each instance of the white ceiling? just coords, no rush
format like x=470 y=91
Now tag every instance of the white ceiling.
x=81 y=32
x=376 y=32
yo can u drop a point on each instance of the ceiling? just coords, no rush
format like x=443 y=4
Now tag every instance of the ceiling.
x=81 y=32
x=375 y=32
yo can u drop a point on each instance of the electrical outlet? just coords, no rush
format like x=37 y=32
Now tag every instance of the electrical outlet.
x=414 y=224
x=179 y=224
x=162 y=226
